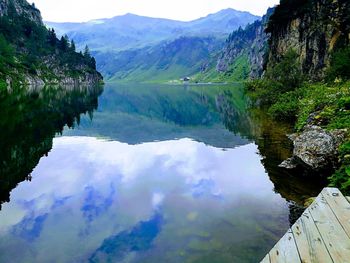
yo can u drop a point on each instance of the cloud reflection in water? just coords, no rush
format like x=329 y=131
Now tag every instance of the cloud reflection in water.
x=95 y=199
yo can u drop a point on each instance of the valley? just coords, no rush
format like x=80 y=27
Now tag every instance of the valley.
x=133 y=48
x=142 y=139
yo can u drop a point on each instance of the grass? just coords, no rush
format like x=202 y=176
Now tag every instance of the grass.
x=331 y=103
x=237 y=71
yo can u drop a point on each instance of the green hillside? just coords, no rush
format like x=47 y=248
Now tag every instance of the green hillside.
x=30 y=53
x=167 y=61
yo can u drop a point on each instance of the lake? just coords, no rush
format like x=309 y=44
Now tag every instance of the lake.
x=142 y=173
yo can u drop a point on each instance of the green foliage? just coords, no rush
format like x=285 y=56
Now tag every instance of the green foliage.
x=341 y=178
x=6 y=54
x=339 y=68
x=287 y=72
x=263 y=91
x=280 y=88
x=328 y=103
x=238 y=71
x=26 y=46
x=322 y=104
x=287 y=106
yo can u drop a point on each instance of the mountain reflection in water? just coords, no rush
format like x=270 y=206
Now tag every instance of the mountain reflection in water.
x=160 y=173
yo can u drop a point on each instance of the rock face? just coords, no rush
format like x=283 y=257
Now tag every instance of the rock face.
x=40 y=58
x=315 y=148
x=313 y=28
x=21 y=7
x=251 y=41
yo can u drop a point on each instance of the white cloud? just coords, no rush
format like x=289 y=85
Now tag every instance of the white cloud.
x=84 y=10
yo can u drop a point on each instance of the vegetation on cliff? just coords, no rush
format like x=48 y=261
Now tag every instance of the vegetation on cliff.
x=242 y=56
x=307 y=77
x=29 y=50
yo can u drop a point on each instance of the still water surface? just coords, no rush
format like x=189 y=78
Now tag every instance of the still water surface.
x=153 y=174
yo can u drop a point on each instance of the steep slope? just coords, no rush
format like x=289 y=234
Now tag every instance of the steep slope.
x=242 y=55
x=166 y=61
x=29 y=53
x=313 y=29
x=306 y=82
x=252 y=42
x=133 y=31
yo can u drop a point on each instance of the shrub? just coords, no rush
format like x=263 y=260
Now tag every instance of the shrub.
x=341 y=178
x=339 y=67
x=287 y=106
x=287 y=72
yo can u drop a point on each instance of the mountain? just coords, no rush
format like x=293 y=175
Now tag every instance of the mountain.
x=242 y=56
x=145 y=49
x=314 y=29
x=32 y=54
x=133 y=31
x=166 y=61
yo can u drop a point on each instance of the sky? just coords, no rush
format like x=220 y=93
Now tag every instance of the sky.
x=185 y=10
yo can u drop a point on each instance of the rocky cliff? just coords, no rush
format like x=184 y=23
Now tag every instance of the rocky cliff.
x=312 y=28
x=32 y=54
x=22 y=8
x=250 y=42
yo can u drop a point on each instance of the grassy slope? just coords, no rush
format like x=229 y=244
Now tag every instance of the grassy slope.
x=165 y=62
x=238 y=71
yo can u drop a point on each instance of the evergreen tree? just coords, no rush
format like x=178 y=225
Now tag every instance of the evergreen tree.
x=52 y=38
x=72 y=46
x=87 y=54
x=63 y=44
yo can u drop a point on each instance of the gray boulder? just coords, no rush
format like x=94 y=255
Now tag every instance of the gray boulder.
x=315 y=148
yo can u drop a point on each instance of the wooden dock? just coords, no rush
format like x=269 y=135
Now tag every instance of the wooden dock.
x=321 y=234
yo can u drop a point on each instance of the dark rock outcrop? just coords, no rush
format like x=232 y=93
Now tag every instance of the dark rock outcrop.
x=312 y=28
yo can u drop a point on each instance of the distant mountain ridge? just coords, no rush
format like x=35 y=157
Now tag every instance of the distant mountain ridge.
x=146 y=49
x=134 y=31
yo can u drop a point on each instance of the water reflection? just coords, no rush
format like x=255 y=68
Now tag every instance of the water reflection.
x=159 y=174
x=29 y=121
x=175 y=200
x=144 y=113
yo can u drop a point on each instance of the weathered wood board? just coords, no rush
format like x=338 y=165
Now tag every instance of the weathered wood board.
x=320 y=235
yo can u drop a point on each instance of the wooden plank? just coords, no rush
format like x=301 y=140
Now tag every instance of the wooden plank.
x=285 y=250
x=266 y=259
x=309 y=241
x=333 y=235
x=339 y=205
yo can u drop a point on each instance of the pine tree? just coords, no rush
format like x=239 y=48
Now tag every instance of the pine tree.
x=87 y=54
x=63 y=45
x=72 y=46
x=52 y=38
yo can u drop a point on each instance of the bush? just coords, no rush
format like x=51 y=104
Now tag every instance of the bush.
x=287 y=106
x=287 y=72
x=339 y=67
x=331 y=103
x=341 y=178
